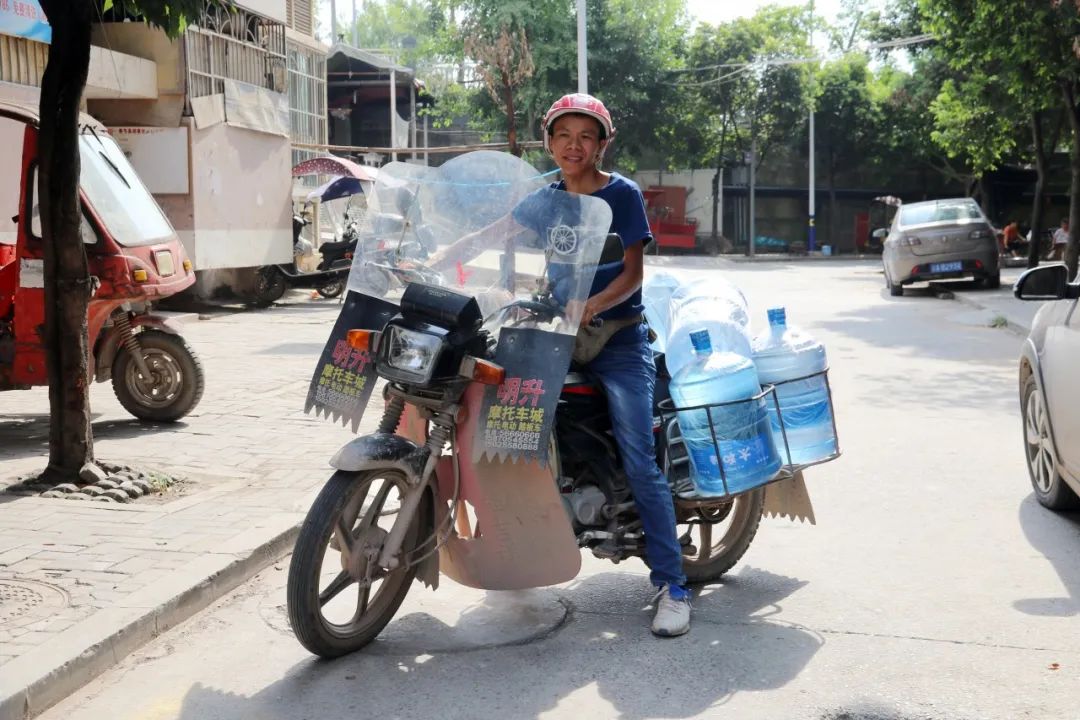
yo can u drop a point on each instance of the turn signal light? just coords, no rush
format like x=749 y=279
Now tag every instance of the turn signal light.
x=487 y=373
x=140 y=275
x=362 y=339
x=187 y=266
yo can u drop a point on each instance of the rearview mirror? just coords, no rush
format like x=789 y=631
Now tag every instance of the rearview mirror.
x=613 y=249
x=1049 y=282
x=881 y=233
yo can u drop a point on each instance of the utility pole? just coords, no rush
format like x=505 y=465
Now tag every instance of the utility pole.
x=333 y=22
x=753 y=186
x=355 y=30
x=811 y=239
x=582 y=51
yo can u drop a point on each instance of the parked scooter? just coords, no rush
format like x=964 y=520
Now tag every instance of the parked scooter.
x=134 y=256
x=493 y=462
x=328 y=279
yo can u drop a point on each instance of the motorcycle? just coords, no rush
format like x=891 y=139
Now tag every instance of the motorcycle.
x=493 y=462
x=134 y=258
x=328 y=279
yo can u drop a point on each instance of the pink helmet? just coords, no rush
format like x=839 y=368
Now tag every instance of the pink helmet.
x=580 y=104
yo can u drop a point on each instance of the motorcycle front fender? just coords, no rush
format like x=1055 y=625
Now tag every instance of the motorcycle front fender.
x=381 y=451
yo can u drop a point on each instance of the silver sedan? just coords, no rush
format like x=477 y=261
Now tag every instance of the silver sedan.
x=1049 y=391
x=939 y=240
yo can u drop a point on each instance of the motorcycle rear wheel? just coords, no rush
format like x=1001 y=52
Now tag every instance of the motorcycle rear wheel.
x=331 y=289
x=270 y=286
x=323 y=618
x=738 y=526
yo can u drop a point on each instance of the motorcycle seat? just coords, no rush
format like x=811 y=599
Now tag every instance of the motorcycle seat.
x=580 y=383
x=336 y=246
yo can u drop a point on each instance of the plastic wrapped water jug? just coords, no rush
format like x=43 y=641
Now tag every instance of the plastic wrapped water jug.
x=795 y=363
x=712 y=304
x=736 y=451
x=656 y=296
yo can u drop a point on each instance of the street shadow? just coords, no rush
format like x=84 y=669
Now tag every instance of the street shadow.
x=980 y=378
x=27 y=435
x=1056 y=536
x=737 y=645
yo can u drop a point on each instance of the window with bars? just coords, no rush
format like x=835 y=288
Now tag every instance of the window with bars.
x=307 y=101
x=234 y=45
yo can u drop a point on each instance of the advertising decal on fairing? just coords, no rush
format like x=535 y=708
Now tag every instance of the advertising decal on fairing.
x=344 y=376
x=517 y=417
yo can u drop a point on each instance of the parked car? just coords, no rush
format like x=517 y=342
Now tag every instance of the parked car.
x=1049 y=392
x=938 y=240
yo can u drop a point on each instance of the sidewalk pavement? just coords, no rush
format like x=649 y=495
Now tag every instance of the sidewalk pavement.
x=999 y=305
x=82 y=584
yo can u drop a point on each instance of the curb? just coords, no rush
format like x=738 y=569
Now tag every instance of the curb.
x=778 y=257
x=1014 y=327
x=37 y=680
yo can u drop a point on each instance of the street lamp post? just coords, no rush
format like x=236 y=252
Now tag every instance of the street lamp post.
x=582 y=51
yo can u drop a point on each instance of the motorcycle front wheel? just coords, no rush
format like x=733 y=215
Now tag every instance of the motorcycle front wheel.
x=720 y=535
x=339 y=599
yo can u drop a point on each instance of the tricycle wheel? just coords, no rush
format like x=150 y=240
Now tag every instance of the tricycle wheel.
x=176 y=380
x=339 y=597
x=720 y=535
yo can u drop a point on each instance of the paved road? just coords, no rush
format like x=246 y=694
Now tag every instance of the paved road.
x=933 y=585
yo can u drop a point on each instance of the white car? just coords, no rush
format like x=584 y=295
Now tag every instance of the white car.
x=1049 y=390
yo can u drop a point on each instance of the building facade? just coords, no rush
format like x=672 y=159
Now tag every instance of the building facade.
x=208 y=120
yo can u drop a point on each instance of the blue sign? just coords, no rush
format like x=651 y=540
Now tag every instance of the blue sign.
x=24 y=18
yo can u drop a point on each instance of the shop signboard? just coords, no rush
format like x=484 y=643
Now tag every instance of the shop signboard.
x=24 y=18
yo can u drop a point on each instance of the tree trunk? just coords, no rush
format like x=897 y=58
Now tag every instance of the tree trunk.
x=833 y=213
x=1040 y=190
x=511 y=119
x=67 y=278
x=1069 y=95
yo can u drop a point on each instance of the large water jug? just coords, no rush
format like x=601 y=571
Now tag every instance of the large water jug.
x=747 y=449
x=656 y=296
x=785 y=354
x=712 y=304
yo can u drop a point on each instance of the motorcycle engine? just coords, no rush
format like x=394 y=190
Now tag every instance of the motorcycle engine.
x=585 y=506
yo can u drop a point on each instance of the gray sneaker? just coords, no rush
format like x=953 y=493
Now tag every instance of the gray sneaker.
x=672 y=616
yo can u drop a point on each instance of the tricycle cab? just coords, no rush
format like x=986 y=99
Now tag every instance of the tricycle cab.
x=133 y=254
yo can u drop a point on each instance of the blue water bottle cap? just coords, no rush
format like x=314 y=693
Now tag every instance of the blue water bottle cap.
x=701 y=342
x=777 y=316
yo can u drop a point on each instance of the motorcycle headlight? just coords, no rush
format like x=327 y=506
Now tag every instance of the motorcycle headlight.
x=412 y=354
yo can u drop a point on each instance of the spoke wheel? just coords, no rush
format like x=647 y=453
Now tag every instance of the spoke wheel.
x=720 y=535
x=1050 y=490
x=339 y=596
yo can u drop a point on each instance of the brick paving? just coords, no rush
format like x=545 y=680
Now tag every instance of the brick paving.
x=251 y=458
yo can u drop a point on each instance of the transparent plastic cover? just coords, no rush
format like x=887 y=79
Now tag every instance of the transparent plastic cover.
x=488 y=225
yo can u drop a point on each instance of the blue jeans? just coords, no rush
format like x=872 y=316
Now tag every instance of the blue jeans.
x=628 y=375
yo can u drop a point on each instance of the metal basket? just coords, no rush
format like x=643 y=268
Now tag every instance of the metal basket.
x=677 y=466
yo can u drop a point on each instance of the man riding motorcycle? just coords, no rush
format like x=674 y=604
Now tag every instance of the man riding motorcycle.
x=577 y=131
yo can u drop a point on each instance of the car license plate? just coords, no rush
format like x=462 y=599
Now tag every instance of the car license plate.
x=946 y=267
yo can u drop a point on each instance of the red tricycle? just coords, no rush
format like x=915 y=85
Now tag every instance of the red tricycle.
x=134 y=256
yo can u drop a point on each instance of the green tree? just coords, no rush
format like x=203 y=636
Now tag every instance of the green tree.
x=1019 y=59
x=848 y=121
x=751 y=87
x=68 y=286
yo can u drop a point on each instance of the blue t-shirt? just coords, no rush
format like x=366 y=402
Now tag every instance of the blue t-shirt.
x=629 y=221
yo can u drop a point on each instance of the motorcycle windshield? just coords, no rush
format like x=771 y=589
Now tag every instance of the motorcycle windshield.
x=487 y=225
